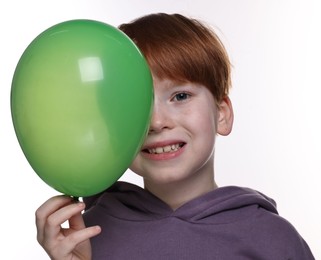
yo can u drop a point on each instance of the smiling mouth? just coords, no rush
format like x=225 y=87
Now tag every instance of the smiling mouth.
x=165 y=149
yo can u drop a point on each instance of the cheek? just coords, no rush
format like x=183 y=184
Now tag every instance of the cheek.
x=205 y=121
x=207 y=135
x=134 y=166
x=137 y=166
x=205 y=130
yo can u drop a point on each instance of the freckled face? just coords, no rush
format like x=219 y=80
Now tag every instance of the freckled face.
x=181 y=138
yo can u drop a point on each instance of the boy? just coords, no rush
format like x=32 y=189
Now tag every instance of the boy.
x=180 y=213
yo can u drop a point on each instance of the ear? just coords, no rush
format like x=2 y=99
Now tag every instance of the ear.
x=225 y=117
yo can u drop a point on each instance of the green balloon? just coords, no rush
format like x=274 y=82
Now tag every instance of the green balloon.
x=81 y=102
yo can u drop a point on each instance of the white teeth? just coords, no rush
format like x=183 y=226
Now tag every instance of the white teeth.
x=165 y=149
x=159 y=150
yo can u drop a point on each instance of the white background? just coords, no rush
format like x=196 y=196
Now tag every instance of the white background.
x=274 y=46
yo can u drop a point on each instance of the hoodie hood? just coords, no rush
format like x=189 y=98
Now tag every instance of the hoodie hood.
x=227 y=223
x=127 y=201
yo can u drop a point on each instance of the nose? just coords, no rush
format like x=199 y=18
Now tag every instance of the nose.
x=161 y=118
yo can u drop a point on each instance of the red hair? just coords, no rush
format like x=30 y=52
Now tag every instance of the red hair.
x=183 y=50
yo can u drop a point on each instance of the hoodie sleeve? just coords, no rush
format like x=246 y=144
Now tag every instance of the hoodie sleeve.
x=286 y=240
x=299 y=248
x=304 y=252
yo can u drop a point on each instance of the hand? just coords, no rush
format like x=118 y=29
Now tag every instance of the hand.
x=64 y=243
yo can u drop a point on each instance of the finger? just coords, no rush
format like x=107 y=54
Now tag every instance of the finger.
x=77 y=238
x=76 y=222
x=46 y=209
x=53 y=224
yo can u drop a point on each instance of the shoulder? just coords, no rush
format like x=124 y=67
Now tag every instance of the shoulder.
x=263 y=226
x=277 y=233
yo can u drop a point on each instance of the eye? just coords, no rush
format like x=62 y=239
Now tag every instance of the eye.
x=181 y=96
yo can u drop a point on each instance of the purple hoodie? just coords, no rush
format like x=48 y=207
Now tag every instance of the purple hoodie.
x=228 y=223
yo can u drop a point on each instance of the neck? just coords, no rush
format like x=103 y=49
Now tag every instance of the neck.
x=175 y=194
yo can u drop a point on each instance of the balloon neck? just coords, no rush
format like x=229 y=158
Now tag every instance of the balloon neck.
x=76 y=199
